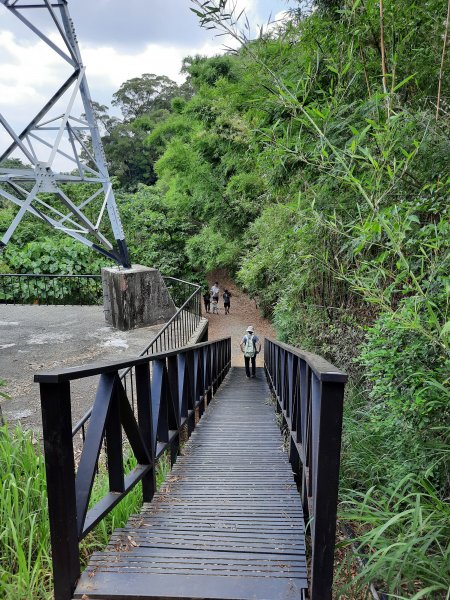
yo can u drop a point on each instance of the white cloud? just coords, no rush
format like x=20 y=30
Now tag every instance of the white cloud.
x=28 y=71
x=108 y=68
x=247 y=5
x=31 y=73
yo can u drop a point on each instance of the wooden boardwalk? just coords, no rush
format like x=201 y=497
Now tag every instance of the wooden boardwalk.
x=227 y=524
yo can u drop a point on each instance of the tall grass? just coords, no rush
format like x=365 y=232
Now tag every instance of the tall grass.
x=25 y=554
x=392 y=498
x=25 y=562
x=405 y=533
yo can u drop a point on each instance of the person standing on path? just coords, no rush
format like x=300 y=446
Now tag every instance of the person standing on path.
x=226 y=301
x=215 y=291
x=207 y=301
x=250 y=346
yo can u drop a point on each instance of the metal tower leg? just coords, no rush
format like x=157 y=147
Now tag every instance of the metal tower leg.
x=52 y=141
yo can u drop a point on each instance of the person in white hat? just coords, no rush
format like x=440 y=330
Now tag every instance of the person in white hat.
x=250 y=346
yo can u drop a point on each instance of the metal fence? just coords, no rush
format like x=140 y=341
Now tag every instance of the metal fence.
x=176 y=333
x=310 y=392
x=46 y=289
x=38 y=288
x=171 y=388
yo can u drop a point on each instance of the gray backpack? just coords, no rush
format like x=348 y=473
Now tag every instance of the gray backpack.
x=249 y=347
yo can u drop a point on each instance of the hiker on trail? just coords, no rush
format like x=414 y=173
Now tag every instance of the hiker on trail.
x=250 y=346
x=207 y=301
x=226 y=301
x=215 y=291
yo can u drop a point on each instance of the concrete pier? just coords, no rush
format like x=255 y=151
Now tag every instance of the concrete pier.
x=135 y=297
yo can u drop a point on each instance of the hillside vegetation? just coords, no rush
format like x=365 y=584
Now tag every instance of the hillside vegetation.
x=313 y=164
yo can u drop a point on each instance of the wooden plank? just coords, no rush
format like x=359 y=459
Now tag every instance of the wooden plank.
x=138 y=586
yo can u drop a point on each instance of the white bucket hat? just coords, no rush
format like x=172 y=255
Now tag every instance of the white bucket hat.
x=250 y=329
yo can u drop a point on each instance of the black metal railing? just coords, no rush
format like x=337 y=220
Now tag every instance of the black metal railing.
x=180 y=328
x=171 y=388
x=176 y=333
x=309 y=392
x=38 y=288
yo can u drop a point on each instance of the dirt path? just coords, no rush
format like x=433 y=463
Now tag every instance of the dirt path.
x=243 y=312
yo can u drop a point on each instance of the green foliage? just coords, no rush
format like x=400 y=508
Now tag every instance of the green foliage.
x=156 y=234
x=145 y=102
x=208 y=72
x=330 y=5
x=142 y=95
x=130 y=159
x=406 y=529
x=53 y=256
x=28 y=230
x=209 y=250
x=25 y=562
x=402 y=361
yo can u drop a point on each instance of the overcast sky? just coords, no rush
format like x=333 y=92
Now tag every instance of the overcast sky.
x=119 y=39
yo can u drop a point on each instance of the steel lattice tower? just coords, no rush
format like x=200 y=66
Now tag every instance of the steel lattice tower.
x=40 y=188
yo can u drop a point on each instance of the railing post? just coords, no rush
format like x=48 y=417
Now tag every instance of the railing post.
x=114 y=450
x=174 y=406
x=190 y=390
x=327 y=414
x=214 y=363
x=160 y=407
x=198 y=383
x=207 y=373
x=144 y=407
x=60 y=471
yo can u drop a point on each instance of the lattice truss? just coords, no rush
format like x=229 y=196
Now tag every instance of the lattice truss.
x=55 y=136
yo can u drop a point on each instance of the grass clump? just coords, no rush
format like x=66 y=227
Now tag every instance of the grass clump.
x=25 y=561
x=25 y=551
x=404 y=534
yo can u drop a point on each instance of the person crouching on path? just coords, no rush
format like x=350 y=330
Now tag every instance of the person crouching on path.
x=250 y=346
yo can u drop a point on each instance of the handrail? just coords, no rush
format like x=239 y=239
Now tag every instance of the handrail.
x=189 y=327
x=309 y=393
x=184 y=306
x=92 y=369
x=323 y=369
x=172 y=391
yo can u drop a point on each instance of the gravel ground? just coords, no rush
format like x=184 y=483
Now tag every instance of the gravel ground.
x=243 y=312
x=40 y=338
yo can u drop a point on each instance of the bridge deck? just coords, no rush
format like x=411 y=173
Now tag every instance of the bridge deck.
x=227 y=524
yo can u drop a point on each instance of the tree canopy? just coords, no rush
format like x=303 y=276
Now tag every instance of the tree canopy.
x=141 y=95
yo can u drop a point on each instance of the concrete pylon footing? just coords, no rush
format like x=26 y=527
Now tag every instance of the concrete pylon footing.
x=135 y=297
